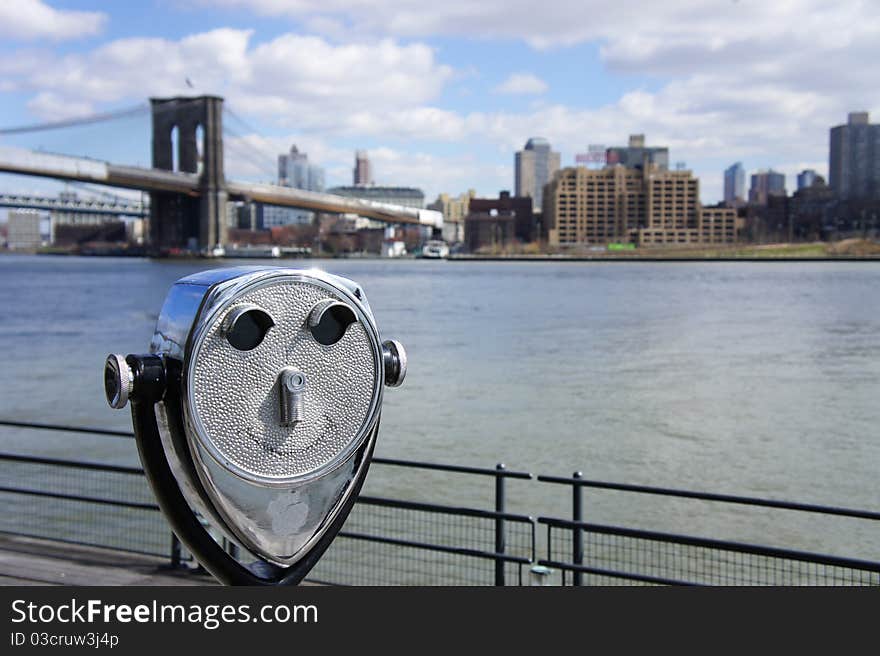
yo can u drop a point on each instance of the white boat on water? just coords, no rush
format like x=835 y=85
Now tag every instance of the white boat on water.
x=435 y=250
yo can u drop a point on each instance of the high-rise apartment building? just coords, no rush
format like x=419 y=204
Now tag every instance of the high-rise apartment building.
x=534 y=167
x=362 y=173
x=735 y=185
x=806 y=178
x=765 y=184
x=294 y=170
x=854 y=159
x=648 y=207
x=638 y=156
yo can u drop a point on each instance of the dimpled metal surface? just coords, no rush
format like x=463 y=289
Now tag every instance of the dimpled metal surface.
x=235 y=394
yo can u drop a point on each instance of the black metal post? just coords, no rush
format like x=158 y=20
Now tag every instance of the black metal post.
x=499 y=524
x=175 y=551
x=577 y=534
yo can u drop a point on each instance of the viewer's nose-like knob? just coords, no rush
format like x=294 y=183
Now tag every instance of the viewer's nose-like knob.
x=293 y=389
x=394 y=359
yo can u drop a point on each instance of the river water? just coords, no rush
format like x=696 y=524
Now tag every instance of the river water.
x=746 y=378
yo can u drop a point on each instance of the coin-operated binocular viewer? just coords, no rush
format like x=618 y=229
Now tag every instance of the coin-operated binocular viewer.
x=256 y=412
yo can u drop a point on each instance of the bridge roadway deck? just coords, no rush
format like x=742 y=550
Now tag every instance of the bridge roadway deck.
x=29 y=561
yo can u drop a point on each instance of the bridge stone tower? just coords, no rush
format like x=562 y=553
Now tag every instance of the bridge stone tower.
x=178 y=220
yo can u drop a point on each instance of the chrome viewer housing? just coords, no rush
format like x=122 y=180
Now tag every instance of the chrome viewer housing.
x=274 y=385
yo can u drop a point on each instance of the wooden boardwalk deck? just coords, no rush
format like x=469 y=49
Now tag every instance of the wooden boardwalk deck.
x=29 y=561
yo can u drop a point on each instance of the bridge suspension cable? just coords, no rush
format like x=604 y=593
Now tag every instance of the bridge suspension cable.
x=141 y=108
x=259 y=147
x=237 y=150
x=250 y=152
x=234 y=115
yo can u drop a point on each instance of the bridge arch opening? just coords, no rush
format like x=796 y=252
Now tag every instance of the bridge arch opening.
x=175 y=148
x=200 y=148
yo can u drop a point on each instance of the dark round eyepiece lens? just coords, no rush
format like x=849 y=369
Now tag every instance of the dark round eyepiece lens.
x=111 y=383
x=248 y=329
x=333 y=323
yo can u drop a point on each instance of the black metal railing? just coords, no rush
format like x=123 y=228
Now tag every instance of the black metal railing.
x=398 y=542
x=393 y=542
x=83 y=502
x=405 y=542
x=600 y=554
x=385 y=541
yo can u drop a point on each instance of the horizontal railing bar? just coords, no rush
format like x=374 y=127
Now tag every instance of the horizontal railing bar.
x=459 y=551
x=460 y=469
x=75 y=464
x=436 y=508
x=66 y=429
x=625 y=487
x=710 y=543
x=644 y=578
x=710 y=496
x=77 y=497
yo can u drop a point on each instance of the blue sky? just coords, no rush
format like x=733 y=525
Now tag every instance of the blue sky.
x=441 y=95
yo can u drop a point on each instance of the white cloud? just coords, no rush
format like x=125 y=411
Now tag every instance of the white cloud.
x=522 y=83
x=301 y=79
x=748 y=80
x=132 y=68
x=632 y=28
x=52 y=107
x=805 y=45
x=34 y=19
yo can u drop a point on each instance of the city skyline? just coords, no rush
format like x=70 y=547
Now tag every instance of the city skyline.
x=441 y=99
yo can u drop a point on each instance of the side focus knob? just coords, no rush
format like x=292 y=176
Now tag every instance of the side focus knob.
x=133 y=378
x=118 y=381
x=394 y=359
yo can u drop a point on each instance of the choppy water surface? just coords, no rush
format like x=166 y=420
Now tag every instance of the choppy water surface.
x=746 y=378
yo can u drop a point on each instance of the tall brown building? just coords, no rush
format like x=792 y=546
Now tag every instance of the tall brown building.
x=362 y=172
x=646 y=207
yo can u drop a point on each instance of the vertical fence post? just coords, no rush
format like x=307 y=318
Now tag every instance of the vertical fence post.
x=577 y=534
x=499 y=524
x=175 y=551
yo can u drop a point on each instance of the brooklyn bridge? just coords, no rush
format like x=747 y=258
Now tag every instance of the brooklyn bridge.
x=187 y=186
